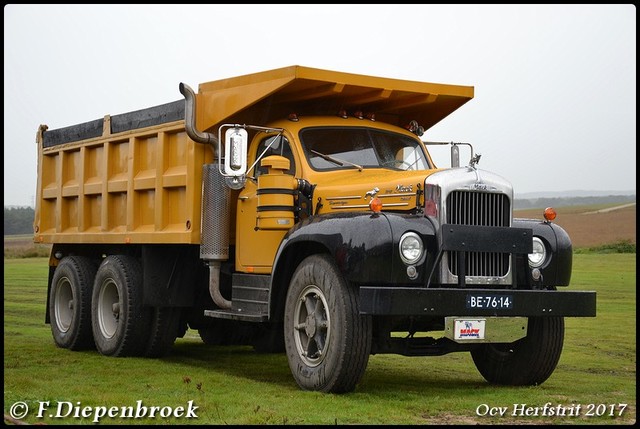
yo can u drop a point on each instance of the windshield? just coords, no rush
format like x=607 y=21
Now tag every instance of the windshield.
x=330 y=148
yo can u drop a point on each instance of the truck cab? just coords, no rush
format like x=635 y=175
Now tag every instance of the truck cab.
x=341 y=159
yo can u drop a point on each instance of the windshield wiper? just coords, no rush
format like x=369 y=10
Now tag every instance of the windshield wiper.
x=340 y=162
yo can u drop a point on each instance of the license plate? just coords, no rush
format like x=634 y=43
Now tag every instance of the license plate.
x=490 y=301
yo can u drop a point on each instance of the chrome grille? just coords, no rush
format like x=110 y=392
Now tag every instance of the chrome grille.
x=482 y=209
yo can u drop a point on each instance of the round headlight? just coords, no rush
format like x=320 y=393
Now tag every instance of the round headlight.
x=411 y=248
x=537 y=258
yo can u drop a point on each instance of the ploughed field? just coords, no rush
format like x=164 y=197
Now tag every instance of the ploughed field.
x=592 y=226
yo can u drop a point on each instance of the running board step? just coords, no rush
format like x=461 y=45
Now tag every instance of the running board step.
x=249 y=299
x=236 y=315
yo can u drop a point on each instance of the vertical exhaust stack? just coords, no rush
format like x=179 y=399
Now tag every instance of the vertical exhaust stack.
x=214 y=234
x=190 y=119
x=214 y=241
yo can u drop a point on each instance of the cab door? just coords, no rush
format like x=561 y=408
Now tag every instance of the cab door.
x=256 y=248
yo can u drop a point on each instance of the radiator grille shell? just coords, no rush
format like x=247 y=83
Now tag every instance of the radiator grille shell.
x=479 y=209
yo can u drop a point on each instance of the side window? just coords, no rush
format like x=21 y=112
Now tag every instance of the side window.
x=279 y=146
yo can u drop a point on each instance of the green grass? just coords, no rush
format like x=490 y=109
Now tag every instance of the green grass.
x=622 y=246
x=234 y=385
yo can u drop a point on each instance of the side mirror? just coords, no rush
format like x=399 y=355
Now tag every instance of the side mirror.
x=455 y=156
x=235 y=152
x=455 y=152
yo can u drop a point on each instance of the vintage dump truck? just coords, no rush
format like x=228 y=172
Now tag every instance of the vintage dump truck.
x=298 y=210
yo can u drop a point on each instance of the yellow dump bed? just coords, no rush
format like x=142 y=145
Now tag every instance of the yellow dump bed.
x=136 y=177
x=136 y=186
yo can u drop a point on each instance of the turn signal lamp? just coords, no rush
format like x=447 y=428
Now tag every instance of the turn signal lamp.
x=430 y=208
x=549 y=214
x=375 y=205
x=293 y=117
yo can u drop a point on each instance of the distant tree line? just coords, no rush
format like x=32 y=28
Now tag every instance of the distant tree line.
x=571 y=201
x=18 y=220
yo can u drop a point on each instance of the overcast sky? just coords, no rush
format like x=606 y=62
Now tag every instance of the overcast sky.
x=555 y=85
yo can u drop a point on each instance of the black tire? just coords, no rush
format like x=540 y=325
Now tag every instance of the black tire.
x=164 y=329
x=120 y=323
x=526 y=362
x=70 y=302
x=326 y=340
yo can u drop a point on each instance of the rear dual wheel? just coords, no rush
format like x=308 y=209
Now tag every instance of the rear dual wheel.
x=70 y=302
x=119 y=320
x=122 y=325
x=166 y=326
x=100 y=305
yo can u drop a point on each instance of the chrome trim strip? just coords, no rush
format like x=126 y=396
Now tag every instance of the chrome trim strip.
x=348 y=197
x=366 y=206
x=407 y=194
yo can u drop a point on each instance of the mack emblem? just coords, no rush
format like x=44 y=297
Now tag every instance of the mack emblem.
x=402 y=188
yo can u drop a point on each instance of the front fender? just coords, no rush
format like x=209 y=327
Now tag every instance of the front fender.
x=557 y=269
x=360 y=244
x=364 y=246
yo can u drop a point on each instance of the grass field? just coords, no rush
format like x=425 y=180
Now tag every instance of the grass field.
x=594 y=383
x=233 y=385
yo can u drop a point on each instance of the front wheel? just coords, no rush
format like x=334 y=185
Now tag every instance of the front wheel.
x=526 y=362
x=327 y=341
